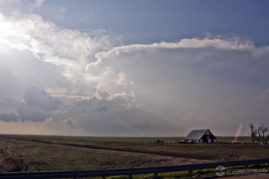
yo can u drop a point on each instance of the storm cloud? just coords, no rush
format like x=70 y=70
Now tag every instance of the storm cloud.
x=200 y=83
x=9 y=117
x=38 y=105
x=39 y=98
x=69 y=82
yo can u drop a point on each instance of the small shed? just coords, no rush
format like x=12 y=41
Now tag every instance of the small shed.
x=200 y=136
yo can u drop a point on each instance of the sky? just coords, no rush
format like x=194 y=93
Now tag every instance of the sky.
x=133 y=68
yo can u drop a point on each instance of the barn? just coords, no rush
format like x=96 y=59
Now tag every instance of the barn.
x=200 y=136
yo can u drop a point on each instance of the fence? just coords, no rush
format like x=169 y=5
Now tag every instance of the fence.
x=130 y=171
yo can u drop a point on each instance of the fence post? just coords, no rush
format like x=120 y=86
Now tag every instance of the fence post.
x=246 y=170
x=130 y=176
x=155 y=175
x=190 y=173
x=103 y=177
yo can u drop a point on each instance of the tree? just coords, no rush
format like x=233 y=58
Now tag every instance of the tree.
x=259 y=134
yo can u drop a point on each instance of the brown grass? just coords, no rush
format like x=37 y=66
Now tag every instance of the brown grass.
x=45 y=156
x=10 y=161
x=220 y=151
x=70 y=153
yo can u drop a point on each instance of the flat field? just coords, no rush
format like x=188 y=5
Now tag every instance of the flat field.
x=40 y=153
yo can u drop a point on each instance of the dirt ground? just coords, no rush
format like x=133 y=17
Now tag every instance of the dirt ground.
x=47 y=156
x=156 y=160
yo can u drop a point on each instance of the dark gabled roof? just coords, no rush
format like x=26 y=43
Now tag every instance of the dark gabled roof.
x=196 y=134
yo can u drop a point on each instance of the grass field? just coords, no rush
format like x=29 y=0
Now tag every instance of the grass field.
x=41 y=153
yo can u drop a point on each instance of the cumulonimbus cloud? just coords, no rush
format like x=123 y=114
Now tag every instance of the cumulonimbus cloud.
x=86 y=83
x=206 y=83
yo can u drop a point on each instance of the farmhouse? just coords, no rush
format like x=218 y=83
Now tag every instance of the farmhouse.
x=200 y=136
